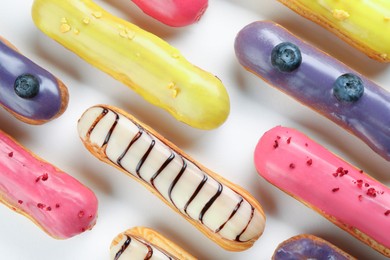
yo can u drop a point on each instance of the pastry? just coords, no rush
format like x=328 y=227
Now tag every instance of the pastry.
x=174 y=13
x=145 y=243
x=307 y=246
x=362 y=24
x=29 y=92
x=340 y=192
x=144 y=62
x=318 y=81
x=52 y=199
x=224 y=212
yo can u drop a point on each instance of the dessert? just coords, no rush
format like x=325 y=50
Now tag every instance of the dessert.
x=307 y=246
x=340 y=192
x=318 y=81
x=362 y=24
x=144 y=62
x=29 y=92
x=224 y=212
x=174 y=13
x=52 y=199
x=145 y=243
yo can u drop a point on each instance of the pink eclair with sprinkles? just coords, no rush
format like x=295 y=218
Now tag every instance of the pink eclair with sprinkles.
x=340 y=192
x=52 y=199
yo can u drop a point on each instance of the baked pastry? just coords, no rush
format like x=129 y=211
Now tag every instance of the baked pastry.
x=224 y=212
x=145 y=243
x=144 y=62
x=362 y=24
x=340 y=192
x=52 y=199
x=308 y=246
x=29 y=92
x=318 y=81
x=176 y=13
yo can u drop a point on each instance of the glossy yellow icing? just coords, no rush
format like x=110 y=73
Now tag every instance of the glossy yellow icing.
x=144 y=62
x=363 y=23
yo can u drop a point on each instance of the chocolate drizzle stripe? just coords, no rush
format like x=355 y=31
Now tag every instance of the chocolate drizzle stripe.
x=108 y=136
x=210 y=202
x=150 y=251
x=97 y=120
x=143 y=159
x=205 y=178
x=250 y=220
x=231 y=215
x=123 y=247
x=173 y=184
x=165 y=164
x=135 y=139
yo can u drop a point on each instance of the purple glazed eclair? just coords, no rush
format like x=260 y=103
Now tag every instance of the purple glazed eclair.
x=29 y=92
x=307 y=246
x=318 y=81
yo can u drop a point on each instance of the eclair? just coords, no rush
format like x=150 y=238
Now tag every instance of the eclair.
x=52 y=199
x=362 y=24
x=224 y=212
x=340 y=192
x=308 y=246
x=175 y=13
x=318 y=81
x=29 y=92
x=147 y=64
x=145 y=243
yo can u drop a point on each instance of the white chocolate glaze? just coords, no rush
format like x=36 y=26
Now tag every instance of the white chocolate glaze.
x=181 y=183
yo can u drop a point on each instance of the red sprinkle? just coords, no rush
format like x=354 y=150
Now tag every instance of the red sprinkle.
x=306 y=144
x=292 y=166
x=371 y=192
x=45 y=176
x=360 y=197
x=276 y=144
x=387 y=212
x=359 y=183
x=366 y=185
x=309 y=162
x=10 y=154
x=81 y=214
x=40 y=205
x=361 y=171
x=20 y=201
x=289 y=140
x=57 y=205
x=335 y=189
x=48 y=208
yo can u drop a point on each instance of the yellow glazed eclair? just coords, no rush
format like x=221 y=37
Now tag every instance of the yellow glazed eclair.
x=144 y=62
x=145 y=243
x=223 y=211
x=363 y=24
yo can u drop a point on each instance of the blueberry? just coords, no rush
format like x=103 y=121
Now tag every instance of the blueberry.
x=348 y=88
x=286 y=57
x=26 y=86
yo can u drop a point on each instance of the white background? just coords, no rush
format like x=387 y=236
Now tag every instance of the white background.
x=228 y=150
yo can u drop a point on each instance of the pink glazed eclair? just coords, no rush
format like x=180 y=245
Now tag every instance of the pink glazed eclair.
x=340 y=192
x=52 y=199
x=175 y=13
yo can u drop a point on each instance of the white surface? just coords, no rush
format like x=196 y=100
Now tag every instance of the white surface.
x=228 y=150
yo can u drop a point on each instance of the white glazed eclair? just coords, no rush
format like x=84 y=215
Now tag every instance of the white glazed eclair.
x=145 y=243
x=224 y=212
